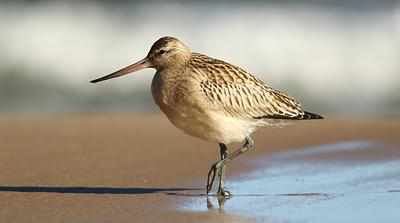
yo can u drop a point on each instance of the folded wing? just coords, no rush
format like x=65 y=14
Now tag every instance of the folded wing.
x=241 y=95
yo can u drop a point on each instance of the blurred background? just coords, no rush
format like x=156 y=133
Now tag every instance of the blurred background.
x=336 y=57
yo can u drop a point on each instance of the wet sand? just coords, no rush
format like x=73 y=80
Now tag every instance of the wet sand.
x=318 y=184
x=125 y=167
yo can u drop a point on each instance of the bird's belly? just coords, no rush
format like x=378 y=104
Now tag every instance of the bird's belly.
x=187 y=118
x=213 y=126
x=206 y=124
x=189 y=112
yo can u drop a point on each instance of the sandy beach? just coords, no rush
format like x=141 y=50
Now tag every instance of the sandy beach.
x=140 y=168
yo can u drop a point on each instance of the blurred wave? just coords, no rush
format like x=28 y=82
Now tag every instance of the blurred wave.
x=333 y=59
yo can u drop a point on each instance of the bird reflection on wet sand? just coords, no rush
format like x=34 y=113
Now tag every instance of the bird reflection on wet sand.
x=221 y=203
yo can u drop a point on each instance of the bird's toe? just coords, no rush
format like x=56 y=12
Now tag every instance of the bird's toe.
x=222 y=192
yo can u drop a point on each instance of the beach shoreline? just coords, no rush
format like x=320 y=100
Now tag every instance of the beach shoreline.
x=136 y=167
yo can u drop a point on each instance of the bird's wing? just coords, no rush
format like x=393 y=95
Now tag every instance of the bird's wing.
x=241 y=95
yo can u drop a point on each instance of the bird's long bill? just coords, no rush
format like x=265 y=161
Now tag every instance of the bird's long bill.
x=129 y=69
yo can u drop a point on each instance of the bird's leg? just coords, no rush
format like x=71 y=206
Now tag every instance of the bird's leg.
x=221 y=189
x=216 y=167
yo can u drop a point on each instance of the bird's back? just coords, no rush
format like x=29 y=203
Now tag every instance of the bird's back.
x=239 y=94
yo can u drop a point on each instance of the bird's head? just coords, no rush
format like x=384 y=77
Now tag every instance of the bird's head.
x=167 y=52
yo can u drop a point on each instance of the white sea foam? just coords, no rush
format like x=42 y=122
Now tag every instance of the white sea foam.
x=334 y=59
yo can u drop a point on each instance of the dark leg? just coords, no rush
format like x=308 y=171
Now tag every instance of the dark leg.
x=217 y=167
x=221 y=189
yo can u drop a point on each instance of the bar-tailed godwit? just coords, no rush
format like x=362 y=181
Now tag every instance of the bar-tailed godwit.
x=212 y=100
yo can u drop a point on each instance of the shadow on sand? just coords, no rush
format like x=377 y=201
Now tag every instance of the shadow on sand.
x=90 y=190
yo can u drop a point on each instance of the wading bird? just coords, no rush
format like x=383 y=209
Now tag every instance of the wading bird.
x=212 y=100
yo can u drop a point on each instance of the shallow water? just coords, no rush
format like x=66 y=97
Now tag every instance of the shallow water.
x=344 y=182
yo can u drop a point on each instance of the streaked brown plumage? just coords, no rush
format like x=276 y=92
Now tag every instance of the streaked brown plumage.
x=240 y=94
x=213 y=100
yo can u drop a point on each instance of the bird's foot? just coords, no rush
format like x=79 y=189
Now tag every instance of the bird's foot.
x=212 y=174
x=224 y=193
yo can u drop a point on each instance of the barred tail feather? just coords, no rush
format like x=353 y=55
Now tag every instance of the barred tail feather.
x=309 y=115
x=306 y=116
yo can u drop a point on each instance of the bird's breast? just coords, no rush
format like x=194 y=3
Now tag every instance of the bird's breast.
x=158 y=89
x=169 y=94
x=181 y=100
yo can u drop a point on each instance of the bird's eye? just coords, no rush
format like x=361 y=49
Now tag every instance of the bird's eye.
x=161 y=52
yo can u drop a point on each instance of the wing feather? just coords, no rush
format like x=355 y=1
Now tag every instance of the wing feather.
x=240 y=94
